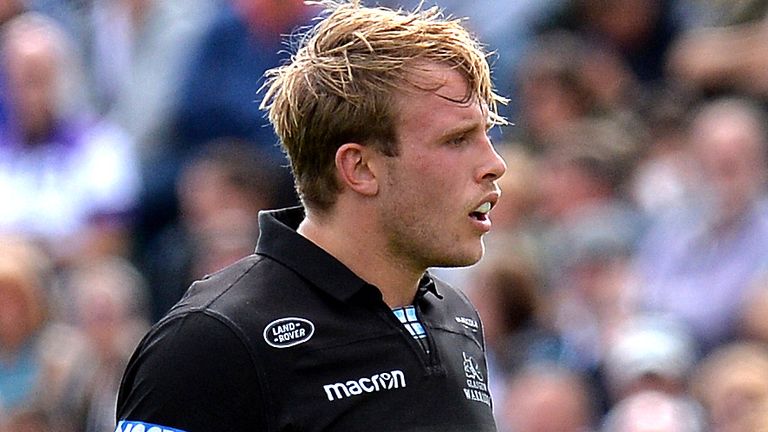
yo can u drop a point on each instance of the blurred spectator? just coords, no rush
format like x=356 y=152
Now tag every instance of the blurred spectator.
x=759 y=422
x=65 y=178
x=108 y=300
x=219 y=90
x=29 y=420
x=71 y=15
x=23 y=314
x=641 y=31
x=38 y=358
x=664 y=178
x=724 y=12
x=564 y=79
x=545 y=398
x=207 y=91
x=650 y=411
x=724 y=58
x=698 y=265
x=649 y=353
x=220 y=191
x=732 y=385
x=586 y=167
x=589 y=232
x=136 y=52
x=8 y=10
x=553 y=92
x=752 y=324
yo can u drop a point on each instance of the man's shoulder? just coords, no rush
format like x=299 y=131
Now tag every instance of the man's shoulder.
x=251 y=288
x=227 y=311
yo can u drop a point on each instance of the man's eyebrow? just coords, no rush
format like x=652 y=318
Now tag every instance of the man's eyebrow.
x=464 y=127
x=464 y=100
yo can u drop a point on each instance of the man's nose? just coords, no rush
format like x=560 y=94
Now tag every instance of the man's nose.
x=494 y=167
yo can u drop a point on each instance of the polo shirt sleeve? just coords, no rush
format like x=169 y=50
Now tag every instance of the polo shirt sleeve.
x=193 y=373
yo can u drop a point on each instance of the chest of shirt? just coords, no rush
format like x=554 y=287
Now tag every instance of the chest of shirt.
x=351 y=368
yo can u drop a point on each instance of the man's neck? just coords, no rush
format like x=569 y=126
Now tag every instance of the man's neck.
x=363 y=250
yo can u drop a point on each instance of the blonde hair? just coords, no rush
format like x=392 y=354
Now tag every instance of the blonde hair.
x=339 y=85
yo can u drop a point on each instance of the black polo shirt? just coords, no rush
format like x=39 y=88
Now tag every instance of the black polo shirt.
x=289 y=339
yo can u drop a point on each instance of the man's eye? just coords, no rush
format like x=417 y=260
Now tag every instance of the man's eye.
x=458 y=140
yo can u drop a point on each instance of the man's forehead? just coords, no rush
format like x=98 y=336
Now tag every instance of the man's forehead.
x=442 y=80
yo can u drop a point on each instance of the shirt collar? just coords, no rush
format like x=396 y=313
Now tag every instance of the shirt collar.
x=279 y=240
x=427 y=285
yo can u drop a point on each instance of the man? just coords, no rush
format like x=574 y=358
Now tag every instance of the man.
x=334 y=324
x=697 y=264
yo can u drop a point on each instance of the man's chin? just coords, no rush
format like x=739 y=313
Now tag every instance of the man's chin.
x=465 y=260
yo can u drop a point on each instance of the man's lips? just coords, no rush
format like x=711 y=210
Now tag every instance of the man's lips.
x=481 y=211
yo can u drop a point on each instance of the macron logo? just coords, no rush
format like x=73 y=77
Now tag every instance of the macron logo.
x=377 y=382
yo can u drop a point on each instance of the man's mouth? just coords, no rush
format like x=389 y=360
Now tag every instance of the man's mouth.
x=481 y=212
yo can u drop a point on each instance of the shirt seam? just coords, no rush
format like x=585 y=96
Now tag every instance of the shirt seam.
x=207 y=310
x=256 y=364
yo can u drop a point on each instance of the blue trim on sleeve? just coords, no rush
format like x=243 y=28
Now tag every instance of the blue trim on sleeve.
x=136 y=426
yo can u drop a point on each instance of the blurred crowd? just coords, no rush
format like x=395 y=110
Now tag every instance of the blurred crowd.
x=625 y=283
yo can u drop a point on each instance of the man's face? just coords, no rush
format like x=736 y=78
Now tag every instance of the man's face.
x=437 y=191
x=729 y=150
x=32 y=72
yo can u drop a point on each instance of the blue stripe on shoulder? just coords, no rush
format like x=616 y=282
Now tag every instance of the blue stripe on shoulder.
x=136 y=426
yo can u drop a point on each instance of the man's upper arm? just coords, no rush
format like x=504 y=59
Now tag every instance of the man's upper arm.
x=193 y=374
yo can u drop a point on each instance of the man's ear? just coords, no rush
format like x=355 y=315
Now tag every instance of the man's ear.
x=353 y=165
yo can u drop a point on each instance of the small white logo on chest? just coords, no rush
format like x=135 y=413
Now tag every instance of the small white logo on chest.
x=467 y=322
x=288 y=332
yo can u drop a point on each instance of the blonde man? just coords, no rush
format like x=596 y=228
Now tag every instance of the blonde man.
x=334 y=323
